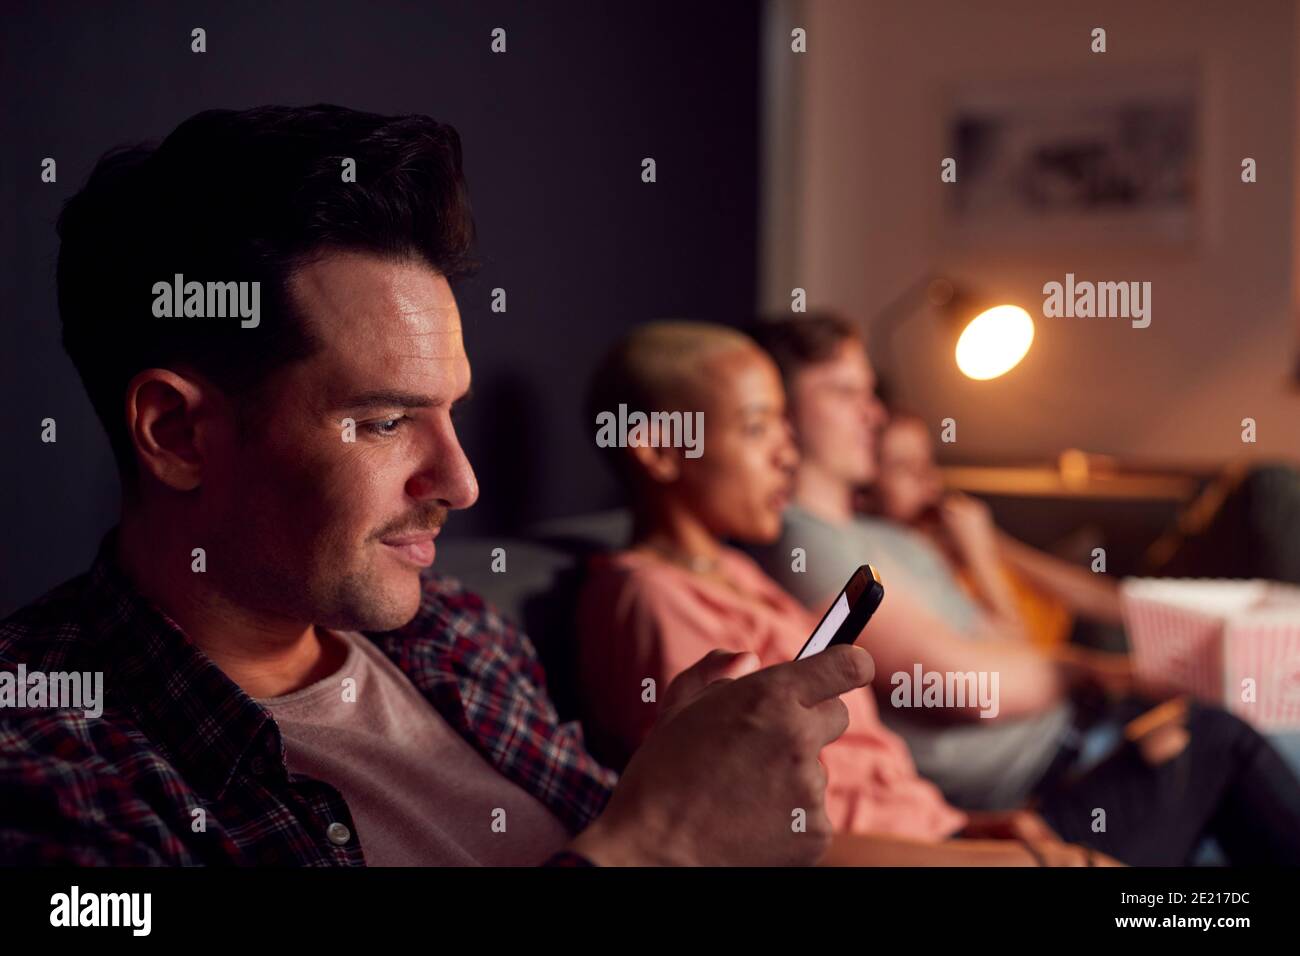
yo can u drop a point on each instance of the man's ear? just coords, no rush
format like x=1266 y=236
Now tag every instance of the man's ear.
x=663 y=464
x=166 y=417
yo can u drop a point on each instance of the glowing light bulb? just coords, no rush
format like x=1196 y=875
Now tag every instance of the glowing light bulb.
x=994 y=342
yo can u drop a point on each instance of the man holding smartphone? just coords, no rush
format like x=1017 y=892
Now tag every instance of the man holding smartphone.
x=284 y=686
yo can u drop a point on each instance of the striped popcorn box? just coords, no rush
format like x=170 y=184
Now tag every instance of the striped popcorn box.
x=1231 y=643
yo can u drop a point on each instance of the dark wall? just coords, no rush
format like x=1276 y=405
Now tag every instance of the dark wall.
x=554 y=132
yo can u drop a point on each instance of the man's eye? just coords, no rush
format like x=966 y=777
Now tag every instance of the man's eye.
x=389 y=426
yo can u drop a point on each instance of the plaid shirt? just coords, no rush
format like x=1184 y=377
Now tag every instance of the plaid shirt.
x=177 y=736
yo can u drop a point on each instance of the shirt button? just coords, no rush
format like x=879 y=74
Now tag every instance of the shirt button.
x=258 y=766
x=338 y=834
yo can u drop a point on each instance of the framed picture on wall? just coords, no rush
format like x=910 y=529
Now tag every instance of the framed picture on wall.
x=1046 y=160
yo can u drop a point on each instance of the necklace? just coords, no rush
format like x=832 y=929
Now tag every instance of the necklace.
x=705 y=567
x=693 y=562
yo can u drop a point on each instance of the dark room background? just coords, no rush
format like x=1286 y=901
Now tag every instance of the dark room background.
x=554 y=129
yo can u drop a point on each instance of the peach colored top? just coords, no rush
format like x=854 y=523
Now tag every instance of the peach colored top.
x=641 y=617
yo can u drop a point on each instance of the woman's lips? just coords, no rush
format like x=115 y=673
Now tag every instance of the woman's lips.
x=418 y=549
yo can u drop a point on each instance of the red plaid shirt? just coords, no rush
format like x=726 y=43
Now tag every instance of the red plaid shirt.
x=177 y=736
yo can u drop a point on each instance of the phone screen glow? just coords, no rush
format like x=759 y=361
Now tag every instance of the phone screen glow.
x=822 y=636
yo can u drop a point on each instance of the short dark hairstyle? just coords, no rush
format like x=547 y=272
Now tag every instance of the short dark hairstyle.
x=798 y=341
x=245 y=195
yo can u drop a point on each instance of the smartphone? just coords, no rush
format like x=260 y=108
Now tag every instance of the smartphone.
x=848 y=613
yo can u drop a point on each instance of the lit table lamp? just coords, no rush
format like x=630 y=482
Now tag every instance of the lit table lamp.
x=991 y=338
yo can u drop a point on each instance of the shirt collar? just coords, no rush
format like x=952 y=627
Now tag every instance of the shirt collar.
x=200 y=719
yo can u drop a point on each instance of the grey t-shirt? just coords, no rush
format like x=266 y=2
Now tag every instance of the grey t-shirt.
x=980 y=764
x=419 y=794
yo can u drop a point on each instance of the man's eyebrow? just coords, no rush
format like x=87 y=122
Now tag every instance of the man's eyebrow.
x=394 y=398
x=387 y=398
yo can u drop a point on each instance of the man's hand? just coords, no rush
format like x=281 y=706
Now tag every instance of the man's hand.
x=712 y=668
x=730 y=775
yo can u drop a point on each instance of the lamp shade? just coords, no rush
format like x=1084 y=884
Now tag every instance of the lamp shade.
x=994 y=342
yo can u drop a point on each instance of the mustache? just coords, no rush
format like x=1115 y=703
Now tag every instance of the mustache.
x=427 y=520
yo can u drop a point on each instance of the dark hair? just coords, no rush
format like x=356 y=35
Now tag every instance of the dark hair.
x=799 y=341
x=244 y=196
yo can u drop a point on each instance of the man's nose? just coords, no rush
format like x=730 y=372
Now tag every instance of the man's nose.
x=787 y=453
x=446 y=475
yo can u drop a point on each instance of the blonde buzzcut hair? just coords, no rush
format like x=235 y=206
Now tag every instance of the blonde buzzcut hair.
x=660 y=366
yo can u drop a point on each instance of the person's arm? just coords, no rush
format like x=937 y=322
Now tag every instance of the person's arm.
x=35 y=835
x=1090 y=595
x=967 y=525
x=904 y=633
x=1019 y=824
x=851 y=849
x=1110 y=671
x=66 y=805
